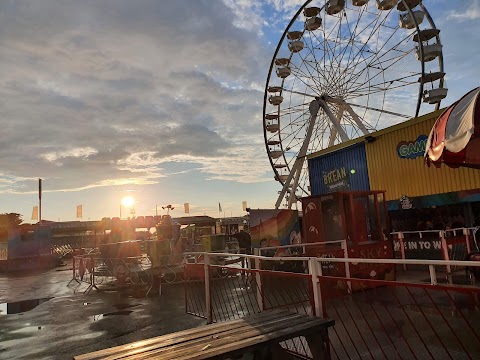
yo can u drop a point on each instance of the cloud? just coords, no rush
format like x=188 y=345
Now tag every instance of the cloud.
x=472 y=12
x=104 y=93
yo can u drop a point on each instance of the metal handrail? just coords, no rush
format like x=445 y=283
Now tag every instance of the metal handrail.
x=352 y=260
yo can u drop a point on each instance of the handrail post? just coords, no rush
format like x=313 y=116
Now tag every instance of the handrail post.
x=208 y=297
x=402 y=248
x=347 y=265
x=73 y=268
x=467 y=239
x=315 y=270
x=258 y=280
x=433 y=275
x=445 y=250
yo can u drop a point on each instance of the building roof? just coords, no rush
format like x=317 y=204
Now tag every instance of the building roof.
x=387 y=130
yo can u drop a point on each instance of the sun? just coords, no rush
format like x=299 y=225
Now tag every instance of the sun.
x=128 y=201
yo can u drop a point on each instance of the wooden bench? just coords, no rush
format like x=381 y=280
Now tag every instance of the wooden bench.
x=257 y=334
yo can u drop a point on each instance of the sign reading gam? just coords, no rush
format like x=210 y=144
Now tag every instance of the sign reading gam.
x=412 y=149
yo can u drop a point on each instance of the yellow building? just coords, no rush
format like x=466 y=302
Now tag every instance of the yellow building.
x=392 y=160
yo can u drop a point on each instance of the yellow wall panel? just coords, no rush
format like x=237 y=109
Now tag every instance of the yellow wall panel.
x=412 y=177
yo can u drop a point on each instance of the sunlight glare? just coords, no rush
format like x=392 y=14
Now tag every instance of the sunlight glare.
x=128 y=201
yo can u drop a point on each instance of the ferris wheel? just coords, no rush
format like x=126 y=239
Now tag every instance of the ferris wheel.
x=341 y=70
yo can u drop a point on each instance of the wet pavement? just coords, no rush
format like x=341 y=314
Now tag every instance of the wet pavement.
x=43 y=318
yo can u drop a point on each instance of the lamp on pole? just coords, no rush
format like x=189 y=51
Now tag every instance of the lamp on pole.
x=168 y=207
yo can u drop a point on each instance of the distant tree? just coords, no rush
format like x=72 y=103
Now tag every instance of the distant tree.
x=8 y=220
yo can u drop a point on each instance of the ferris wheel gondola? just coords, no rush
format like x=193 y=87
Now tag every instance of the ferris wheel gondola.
x=343 y=69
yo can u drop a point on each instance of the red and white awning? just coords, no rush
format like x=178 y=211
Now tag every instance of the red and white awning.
x=455 y=137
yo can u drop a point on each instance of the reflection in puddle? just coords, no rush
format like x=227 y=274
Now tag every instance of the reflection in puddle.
x=21 y=306
x=101 y=316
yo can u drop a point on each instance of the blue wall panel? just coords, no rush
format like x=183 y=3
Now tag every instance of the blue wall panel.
x=341 y=170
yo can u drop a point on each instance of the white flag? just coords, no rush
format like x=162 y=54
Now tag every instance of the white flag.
x=79 y=211
x=187 y=208
x=244 y=205
x=35 y=213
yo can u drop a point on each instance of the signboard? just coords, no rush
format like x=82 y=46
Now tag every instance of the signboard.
x=405 y=203
x=412 y=149
x=336 y=180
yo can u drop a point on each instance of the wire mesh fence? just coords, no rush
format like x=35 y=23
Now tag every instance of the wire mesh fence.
x=103 y=273
x=234 y=292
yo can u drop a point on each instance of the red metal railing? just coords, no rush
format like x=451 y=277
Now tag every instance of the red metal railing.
x=375 y=319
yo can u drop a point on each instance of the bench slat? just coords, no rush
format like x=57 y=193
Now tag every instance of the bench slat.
x=250 y=344
x=223 y=339
x=184 y=335
x=239 y=329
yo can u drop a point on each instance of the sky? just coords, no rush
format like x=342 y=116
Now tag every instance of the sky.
x=158 y=100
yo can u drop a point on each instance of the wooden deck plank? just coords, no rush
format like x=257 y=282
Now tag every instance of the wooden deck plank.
x=181 y=336
x=223 y=340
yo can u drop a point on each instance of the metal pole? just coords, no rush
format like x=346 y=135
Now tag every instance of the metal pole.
x=39 y=200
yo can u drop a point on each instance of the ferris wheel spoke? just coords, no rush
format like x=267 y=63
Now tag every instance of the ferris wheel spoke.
x=379 y=110
x=376 y=30
x=300 y=75
x=365 y=43
x=383 y=69
x=316 y=62
x=369 y=65
x=376 y=86
x=353 y=35
x=300 y=93
x=310 y=74
x=380 y=87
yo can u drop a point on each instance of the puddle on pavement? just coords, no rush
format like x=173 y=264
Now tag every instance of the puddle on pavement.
x=124 y=306
x=29 y=328
x=19 y=307
x=101 y=316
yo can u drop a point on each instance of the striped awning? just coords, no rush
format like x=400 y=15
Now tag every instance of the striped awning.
x=455 y=136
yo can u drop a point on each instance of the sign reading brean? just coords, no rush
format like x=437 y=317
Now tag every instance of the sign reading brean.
x=336 y=180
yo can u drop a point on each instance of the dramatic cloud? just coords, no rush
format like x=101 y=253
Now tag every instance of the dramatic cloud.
x=112 y=89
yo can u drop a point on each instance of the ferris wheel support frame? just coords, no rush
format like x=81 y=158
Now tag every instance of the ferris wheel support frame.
x=346 y=106
x=297 y=167
x=333 y=133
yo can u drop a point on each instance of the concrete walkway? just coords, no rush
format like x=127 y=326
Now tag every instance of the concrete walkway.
x=67 y=322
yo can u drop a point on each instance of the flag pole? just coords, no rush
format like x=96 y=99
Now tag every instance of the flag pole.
x=39 y=200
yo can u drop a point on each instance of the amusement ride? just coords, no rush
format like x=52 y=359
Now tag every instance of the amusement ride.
x=342 y=70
